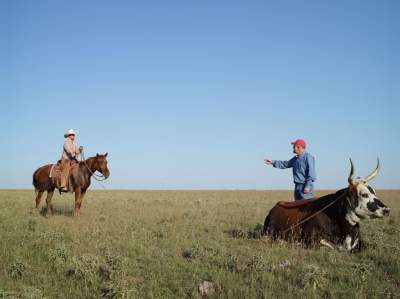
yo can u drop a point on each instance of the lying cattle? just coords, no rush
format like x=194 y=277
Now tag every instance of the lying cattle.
x=332 y=220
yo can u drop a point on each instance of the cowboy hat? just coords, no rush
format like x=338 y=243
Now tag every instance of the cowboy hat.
x=69 y=132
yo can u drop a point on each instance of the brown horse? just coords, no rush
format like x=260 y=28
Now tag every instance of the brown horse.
x=79 y=180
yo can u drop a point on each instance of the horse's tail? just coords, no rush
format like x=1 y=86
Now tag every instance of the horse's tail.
x=35 y=181
x=267 y=223
x=40 y=178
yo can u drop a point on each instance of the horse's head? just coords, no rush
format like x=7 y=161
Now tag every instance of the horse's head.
x=363 y=197
x=101 y=165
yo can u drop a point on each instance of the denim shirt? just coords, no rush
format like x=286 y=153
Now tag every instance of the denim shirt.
x=303 y=168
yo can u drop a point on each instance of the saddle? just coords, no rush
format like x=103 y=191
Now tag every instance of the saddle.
x=56 y=173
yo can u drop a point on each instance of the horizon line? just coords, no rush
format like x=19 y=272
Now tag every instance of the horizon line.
x=210 y=189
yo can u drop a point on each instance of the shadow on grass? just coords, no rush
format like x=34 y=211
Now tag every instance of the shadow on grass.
x=240 y=233
x=68 y=212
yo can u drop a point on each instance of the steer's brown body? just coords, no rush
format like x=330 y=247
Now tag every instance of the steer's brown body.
x=308 y=220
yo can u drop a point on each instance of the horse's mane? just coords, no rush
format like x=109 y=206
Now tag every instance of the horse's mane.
x=82 y=162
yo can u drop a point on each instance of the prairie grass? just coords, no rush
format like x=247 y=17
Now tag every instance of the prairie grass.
x=164 y=244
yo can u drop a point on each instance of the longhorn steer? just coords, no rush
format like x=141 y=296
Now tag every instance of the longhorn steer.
x=332 y=220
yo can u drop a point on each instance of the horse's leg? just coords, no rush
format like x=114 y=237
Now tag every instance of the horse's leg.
x=38 y=198
x=78 y=201
x=48 y=202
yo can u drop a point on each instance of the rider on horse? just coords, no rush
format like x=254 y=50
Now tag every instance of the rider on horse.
x=70 y=154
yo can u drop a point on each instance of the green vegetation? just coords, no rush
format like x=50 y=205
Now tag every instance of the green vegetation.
x=164 y=244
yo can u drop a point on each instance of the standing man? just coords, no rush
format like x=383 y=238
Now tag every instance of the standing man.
x=303 y=168
x=70 y=152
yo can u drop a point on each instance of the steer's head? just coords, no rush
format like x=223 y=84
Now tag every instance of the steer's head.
x=363 y=199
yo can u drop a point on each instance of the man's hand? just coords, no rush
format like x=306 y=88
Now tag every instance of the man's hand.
x=268 y=162
x=81 y=149
x=307 y=190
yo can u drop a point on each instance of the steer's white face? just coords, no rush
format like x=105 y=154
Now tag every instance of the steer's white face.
x=367 y=204
x=363 y=203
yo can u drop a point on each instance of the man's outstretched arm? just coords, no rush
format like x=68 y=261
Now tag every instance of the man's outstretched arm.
x=279 y=164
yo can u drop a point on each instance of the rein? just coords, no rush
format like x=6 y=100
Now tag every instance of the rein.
x=97 y=177
x=315 y=214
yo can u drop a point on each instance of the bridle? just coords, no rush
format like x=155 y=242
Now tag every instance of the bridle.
x=97 y=177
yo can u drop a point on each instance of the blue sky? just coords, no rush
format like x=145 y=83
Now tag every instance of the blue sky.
x=195 y=94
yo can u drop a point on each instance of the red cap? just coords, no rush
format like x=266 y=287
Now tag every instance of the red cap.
x=300 y=142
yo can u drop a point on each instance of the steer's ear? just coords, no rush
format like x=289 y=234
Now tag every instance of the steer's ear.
x=105 y=154
x=97 y=154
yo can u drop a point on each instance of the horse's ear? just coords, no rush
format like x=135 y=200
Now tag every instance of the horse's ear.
x=97 y=154
x=105 y=154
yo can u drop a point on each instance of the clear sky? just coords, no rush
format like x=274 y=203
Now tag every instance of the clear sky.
x=195 y=94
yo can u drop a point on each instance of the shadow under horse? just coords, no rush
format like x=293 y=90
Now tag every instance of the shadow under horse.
x=79 y=179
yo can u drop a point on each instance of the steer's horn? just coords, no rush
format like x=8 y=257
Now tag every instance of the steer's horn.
x=350 y=179
x=374 y=173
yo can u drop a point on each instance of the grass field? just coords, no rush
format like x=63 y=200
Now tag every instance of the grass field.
x=164 y=244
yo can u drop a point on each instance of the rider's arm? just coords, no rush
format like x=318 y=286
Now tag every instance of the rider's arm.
x=78 y=150
x=69 y=149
